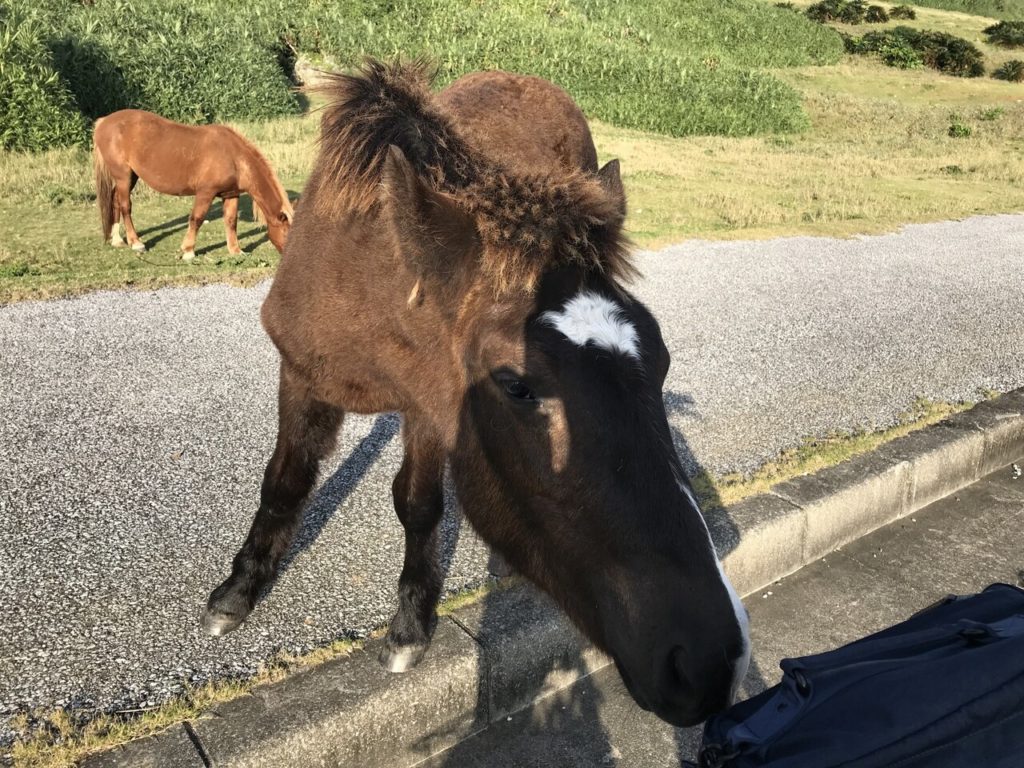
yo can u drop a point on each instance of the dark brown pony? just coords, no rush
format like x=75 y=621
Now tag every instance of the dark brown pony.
x=206 y=161
x=459 y=258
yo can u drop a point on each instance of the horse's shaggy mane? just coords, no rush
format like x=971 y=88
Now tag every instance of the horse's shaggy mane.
x=528 y=222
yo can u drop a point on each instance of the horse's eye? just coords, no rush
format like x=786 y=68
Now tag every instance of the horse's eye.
x=517 y=390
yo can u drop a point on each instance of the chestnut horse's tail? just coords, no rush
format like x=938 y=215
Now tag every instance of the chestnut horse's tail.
x=104 y=190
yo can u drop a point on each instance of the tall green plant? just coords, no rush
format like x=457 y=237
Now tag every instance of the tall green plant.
x=36 y=110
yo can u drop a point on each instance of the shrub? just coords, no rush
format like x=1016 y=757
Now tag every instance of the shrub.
x=853 y=44
x=952 y=55
x=958 y=129
x=173 y=59
x=1012 y=70
x=938 y=50
x=846 y=11
x=853 y=11
x=1008 y=34
x=876 y=14
x=826 y=10
x=902 y=12
x=681 y=67
x=897 y=52
x=787 y=7
x=37 y=111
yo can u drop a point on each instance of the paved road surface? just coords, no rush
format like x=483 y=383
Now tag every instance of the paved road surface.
x=135 y=428
x=960 y=544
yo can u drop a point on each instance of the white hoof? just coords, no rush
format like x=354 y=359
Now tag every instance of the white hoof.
x=116 y=240
x=139 y=247
x=188 y=255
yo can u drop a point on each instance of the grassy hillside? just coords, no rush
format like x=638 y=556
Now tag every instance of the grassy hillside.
x=678 y=67
x=878 y=153
x=968 y=27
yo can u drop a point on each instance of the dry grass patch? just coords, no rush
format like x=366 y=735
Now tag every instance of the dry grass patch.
x=878 y=155
x=816 y=454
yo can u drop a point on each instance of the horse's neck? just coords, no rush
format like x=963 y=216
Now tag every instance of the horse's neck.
x=258 y=180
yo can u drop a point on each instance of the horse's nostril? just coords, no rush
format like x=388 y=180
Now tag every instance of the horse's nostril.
x=694 y=690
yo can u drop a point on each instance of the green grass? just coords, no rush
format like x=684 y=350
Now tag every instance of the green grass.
x=679 y=67
x=877 y=156
x=969 y=27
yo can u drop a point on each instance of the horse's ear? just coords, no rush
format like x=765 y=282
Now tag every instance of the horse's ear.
x=432 y=231
x=612 y=183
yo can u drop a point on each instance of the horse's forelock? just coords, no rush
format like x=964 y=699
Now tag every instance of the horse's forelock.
x=527 y=222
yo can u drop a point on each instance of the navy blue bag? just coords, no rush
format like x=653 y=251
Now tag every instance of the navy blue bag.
x=944 y=688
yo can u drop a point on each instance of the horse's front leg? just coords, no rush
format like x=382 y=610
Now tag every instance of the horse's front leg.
x=195 y=221
x=231 y=224
x=306 y=434
x=419 y=501
x=124 y=187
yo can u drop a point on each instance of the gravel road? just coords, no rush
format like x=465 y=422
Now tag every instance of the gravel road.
x=135 y=428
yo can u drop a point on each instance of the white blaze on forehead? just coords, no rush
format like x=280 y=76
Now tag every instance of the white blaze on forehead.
x=590 y=317
x=743 y=660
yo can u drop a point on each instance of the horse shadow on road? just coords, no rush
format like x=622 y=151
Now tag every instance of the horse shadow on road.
x=333 y=492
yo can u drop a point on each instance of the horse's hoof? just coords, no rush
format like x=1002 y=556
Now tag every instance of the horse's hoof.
x=225 y=610
x=116 y=241
x=216 y=623
x=188 y=255
x=139 y=247
x=401 y=658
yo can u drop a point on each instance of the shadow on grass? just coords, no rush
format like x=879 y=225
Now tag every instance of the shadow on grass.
x=157 y=233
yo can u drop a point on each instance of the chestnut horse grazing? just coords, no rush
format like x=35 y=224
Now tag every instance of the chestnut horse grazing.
x=206 y=161
x=459 y=258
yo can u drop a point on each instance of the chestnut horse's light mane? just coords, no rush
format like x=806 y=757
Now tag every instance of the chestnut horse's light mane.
x=263 y=167
x=528 y=222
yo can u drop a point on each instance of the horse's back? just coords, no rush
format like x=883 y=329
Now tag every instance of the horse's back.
x=338 y=271
x=172 y=158
x=524 y=121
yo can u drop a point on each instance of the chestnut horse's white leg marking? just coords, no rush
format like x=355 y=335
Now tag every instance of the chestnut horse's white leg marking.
x=590 y=317
x=743 y=662
x=115 y=236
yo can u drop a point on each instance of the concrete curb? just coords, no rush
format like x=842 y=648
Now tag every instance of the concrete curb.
x=499 y=655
